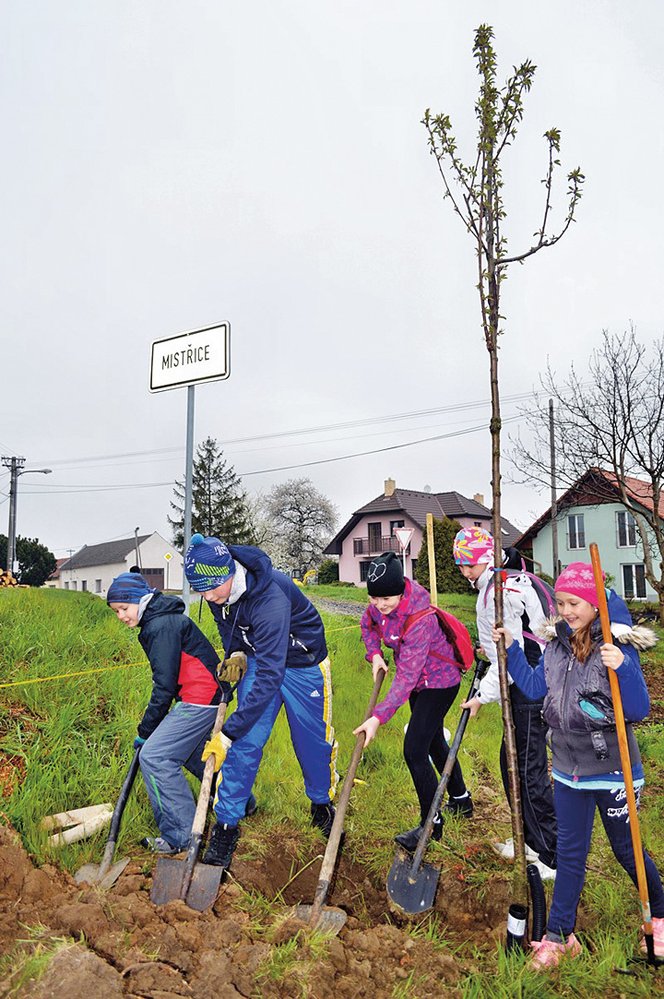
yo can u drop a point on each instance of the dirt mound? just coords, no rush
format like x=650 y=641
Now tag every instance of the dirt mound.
x=64 y=939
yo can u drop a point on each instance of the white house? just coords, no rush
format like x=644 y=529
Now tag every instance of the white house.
x=95 y=566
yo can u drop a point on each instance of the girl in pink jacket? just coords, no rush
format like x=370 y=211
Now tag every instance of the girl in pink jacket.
x=426 y=675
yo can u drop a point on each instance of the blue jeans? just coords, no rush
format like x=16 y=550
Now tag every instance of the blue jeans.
x=177 y=741
x=306 y=695
x=575 y=810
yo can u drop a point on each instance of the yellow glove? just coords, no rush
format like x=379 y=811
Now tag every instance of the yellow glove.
x=233 y=668
x=218 y=746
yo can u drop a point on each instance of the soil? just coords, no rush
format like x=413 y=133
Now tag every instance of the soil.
x=117 y=943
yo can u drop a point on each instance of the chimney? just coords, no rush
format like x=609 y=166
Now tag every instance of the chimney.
x=479 y=498
x=390 y=486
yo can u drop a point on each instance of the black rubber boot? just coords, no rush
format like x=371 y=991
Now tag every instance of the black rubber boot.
x=409 y=840
x=322 y=817
x=459 y=806
x=222 y=845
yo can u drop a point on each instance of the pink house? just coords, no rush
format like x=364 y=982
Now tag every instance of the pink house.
x=371 y=529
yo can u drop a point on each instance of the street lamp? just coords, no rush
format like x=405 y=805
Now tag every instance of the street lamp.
x=15 y=466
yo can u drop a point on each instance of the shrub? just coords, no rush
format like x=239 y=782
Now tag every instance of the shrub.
x=448 y=577
x=328 y=571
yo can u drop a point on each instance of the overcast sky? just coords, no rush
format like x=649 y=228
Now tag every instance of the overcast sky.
x=167 y=165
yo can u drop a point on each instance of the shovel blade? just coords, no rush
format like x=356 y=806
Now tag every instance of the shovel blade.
x=330 y=919
x=168 y=879
x=90 y=874
x=412 y=893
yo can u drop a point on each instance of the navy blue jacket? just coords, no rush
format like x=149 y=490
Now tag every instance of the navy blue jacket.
x=176 y=648
x=275 y=623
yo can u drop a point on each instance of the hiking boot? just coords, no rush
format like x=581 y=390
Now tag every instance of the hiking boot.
x=222 y=845
x=159 y=845
x=548 y=953
x=459 y=806
x=251 y=807
x=322 y=817
x=657 y=935
x=409 y=840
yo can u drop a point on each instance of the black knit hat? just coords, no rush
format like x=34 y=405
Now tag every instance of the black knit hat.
x=385 y=576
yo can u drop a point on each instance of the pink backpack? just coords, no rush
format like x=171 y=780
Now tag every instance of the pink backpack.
x=454 y=631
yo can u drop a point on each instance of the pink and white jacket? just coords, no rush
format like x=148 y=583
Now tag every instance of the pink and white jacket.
x=423 y=658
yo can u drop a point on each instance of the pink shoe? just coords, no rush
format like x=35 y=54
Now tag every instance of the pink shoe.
x=658 y=936
x=548 y=953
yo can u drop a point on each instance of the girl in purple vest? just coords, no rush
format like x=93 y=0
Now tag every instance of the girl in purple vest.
x=573 y=679
x=426 y=675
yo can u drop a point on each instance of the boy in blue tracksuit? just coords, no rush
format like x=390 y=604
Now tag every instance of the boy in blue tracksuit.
x=260 y=611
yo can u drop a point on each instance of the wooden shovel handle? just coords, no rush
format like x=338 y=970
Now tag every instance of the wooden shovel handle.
x=621 y=731
x=332 y=848
x=200 y=815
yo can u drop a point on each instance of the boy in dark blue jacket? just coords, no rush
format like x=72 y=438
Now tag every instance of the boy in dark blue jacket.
x=184 y=670
x=261 y=612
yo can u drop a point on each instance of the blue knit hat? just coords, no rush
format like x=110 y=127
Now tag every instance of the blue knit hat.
x=207 y=563
x=128 y=588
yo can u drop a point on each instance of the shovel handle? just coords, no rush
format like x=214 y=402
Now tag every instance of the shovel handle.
x=332 y=848
x=200 y=815
x=116 y=818
x=623 y=745
x=480 y=669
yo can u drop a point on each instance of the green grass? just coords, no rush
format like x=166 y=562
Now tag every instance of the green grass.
x=73 y=737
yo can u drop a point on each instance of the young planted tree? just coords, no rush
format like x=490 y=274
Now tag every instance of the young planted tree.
x=609 y=431
x=475 y=191
x=219 y=505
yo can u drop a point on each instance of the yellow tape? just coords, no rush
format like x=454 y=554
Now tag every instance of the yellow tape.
x=109 y=669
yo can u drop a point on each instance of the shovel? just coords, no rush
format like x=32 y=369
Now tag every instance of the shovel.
x=196 y=884
x=107 y=873
x=626 y=763
x=411 y=884
x=328 y=918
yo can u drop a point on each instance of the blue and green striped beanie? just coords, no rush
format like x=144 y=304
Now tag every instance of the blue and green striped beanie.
x=128 y=588
x=207 y=563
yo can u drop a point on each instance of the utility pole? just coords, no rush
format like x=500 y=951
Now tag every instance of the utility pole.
x=14 y=464
x=554 y=504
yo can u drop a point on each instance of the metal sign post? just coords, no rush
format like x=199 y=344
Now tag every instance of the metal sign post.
x=404 y=534
x=190 y=359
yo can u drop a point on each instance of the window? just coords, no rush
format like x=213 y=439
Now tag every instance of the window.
x=97 y=585
x=375 y=537
x=66 y=586
x=74 y=585
x=394 y=524
x=84 y=584
x=634 y=581
x=625 y=529
x=576 y=534
x=364 y=569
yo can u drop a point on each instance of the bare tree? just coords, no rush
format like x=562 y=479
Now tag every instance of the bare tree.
x=302 y=520
x=609 y=432
x=476 y=193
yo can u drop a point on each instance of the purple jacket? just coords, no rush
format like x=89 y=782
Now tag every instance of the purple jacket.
x=417 y=658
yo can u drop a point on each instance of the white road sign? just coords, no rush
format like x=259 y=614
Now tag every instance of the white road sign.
x=404 y=534
x=191 y=358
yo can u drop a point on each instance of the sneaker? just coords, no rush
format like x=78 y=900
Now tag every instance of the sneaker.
x=506 y=851
x=322 y=817
x=658 y=936
x=459 y=806
x=546 y=873
x=548 y=953
x=159 y=845
x=222 y=845
x=409 y=840
x=251 y=807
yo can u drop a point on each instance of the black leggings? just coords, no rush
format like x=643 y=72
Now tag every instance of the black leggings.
x=424 y=738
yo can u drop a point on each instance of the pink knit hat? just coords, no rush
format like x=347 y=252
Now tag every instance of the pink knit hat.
x=473 y=546
x=578 y=579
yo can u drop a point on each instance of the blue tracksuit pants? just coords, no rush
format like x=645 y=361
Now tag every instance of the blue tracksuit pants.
x=575 y=810
x=177 y=741
x=306 y=694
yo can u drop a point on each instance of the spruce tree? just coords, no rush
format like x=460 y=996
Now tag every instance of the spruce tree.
x=219 y=503
x=448 y=577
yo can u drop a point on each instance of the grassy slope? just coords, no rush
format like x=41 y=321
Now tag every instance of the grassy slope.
x=73 y=738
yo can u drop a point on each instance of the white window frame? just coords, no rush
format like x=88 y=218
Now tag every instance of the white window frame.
x=632 y=567
x=576 y=517
x=629 y=529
